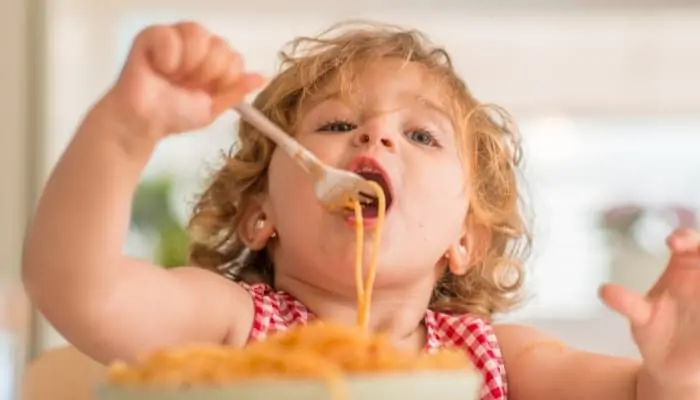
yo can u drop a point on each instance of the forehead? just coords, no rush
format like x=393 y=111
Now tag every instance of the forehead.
x=394 y=75
x=371 y=84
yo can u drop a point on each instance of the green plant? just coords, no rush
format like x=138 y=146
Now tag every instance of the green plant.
x=153 y=215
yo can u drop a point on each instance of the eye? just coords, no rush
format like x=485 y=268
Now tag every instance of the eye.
x=337 y=126
x=423 y=137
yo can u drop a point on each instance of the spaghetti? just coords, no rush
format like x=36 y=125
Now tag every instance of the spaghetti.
x=316 y=351
x=364 y=289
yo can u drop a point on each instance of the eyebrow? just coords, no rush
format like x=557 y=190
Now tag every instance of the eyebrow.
x=413 y=96
x=430 y=104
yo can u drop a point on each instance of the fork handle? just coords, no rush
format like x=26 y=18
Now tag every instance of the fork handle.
x=309 y=162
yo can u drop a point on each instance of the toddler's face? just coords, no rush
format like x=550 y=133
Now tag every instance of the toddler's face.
x=396 y=115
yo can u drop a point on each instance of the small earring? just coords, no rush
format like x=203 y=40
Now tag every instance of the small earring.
x=260 y=223
x=462 y=251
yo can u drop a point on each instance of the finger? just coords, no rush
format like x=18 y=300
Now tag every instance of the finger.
x=629 y=304
x=213 y=66
x=684 y=241
x=161 y=48
x=195 y=45
x=232 y=73
x=237 y=92
x=233 y=95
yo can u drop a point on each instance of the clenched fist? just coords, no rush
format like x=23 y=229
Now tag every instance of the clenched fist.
x=179 y=78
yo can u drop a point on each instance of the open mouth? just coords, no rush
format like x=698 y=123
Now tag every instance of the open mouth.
x=371 y=170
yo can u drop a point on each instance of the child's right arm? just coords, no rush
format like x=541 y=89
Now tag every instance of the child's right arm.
x=178 y=78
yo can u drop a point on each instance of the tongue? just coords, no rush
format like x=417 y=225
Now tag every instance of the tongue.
x=376 y=178
x=370 y=211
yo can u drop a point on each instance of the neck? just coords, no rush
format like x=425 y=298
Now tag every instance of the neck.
x=398 y=312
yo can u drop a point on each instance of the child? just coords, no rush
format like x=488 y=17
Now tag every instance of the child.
x=377 y=100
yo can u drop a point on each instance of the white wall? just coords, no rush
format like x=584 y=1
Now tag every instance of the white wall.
x=390 y=5
x=534 y=63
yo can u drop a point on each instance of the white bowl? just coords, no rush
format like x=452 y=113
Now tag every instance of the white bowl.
x=452 y=385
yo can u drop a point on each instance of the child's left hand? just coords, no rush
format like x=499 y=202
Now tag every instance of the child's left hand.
x=666 y=323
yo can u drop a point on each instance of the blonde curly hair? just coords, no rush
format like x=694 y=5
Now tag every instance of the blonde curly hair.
x=489 y=144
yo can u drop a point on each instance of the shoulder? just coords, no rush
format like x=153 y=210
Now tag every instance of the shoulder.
x=229 y=302
x=205 y=282
x=516 y=339
x=523 y=346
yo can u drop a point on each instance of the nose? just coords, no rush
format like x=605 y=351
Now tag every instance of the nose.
x=371 y=138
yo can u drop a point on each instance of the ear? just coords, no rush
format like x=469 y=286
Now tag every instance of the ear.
x=458 y=257
x=470 y=249
x=256 y=226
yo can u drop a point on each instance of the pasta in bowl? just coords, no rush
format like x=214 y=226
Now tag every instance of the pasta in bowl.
x=319 y=361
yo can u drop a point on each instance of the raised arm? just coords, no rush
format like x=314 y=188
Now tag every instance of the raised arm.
x=541 y=367
x=177 y=78
x=665 y=324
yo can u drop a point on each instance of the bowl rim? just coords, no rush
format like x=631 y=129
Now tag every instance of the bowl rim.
x=464 y=376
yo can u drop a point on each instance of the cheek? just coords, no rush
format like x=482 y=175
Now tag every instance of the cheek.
x=441 y=183
x=441 y=198
x=289 y=189
x=331 y=149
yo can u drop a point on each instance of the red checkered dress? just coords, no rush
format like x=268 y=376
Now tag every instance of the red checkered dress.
x=276 y=311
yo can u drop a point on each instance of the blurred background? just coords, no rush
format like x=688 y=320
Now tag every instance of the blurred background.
x=605 y=91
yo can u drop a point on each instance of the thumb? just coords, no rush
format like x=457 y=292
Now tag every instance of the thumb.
x=236 y=92
x=629 y=304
